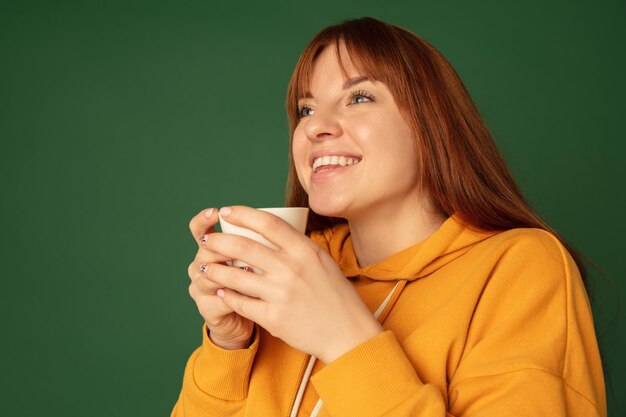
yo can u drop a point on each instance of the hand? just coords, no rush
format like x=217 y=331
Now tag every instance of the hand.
x=227 y=329
x=301 y=296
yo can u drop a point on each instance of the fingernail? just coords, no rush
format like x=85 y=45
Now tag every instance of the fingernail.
x=225 y=211
x=203 y=268
x=220 y=293
x=208 y=213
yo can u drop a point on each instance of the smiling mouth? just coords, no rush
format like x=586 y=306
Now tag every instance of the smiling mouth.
x=325 y=163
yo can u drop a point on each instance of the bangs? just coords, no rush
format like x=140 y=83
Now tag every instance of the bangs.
x=372 y=50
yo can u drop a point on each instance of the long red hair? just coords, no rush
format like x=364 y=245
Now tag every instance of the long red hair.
x=461 y=167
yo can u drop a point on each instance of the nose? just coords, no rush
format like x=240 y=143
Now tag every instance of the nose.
x=322 y=125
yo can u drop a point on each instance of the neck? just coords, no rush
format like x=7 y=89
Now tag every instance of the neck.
x=382 y=233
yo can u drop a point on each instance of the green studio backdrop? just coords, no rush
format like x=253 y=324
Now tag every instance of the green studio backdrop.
x=120 y=120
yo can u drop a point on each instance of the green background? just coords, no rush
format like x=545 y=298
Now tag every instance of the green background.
x=120 y=120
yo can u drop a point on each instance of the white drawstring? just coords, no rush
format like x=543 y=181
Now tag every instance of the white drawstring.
x=309 y=368
x=305 y=378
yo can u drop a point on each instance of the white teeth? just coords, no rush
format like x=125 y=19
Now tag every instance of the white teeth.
x=333 y=160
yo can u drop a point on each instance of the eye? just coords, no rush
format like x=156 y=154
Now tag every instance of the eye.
x=360 y=96
x=304 y=111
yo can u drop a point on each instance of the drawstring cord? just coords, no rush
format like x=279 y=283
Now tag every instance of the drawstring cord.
x=381 y=315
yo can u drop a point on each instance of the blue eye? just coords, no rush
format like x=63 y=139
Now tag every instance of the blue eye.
x=358 y=97
x=304 y=111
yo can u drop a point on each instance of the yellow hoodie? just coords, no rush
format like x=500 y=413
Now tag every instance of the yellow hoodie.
x=488 y=324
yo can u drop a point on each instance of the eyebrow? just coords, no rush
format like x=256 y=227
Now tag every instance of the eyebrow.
x=354 y=81
x=350 y=82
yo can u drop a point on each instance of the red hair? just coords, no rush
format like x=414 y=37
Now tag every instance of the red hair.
x=461 y=168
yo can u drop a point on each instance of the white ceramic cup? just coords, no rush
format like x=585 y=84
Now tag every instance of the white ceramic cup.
x=295 y=216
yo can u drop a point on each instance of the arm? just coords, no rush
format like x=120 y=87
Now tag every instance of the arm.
x=527 y=311
x=216 y=380
x=377 y=379
x=217 y=374
x=530 y=350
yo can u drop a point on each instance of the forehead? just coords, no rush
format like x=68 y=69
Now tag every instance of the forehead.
x=332 y=65
x=336 y=57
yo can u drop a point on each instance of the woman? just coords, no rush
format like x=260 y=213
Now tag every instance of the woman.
x=428 y=287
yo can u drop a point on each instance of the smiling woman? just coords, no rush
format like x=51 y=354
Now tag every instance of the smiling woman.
x=358 y=119
x=425 y=285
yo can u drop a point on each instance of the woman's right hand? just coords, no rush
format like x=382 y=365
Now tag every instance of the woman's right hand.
x=227 y=329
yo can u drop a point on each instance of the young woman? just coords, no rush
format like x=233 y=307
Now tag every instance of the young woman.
x=425 y=285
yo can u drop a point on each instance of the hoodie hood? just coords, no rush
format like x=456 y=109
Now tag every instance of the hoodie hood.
x=450 y=241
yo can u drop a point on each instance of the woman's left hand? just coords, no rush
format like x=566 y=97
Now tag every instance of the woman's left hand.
x=301 y=296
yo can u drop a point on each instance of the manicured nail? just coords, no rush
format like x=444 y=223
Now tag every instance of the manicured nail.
x=208 y=213
x=225 y=211
x=220 y=293
x=203 y=268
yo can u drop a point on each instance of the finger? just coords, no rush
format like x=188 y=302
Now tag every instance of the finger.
x=246 y=283
x=196 y=268
x=206 y=285
x=205 y=256
x=241 y=248
x=203 y=223
x=271 y=227
x=250 y=308
x=202 y=288
x=211 y=307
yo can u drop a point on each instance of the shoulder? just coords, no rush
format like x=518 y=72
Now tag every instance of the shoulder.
x=522 y=276
x=529 y=245
x=528 y=273
x=526 y=265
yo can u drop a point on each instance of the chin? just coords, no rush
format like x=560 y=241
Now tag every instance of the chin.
x=330 y=207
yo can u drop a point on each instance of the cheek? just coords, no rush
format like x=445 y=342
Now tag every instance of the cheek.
x=373 y=131
x=402 y=138
x=299 y=152
x=397 y=143
x=408 y=160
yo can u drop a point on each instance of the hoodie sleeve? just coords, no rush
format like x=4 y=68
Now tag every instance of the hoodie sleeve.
x=530 y=350
x=216 y=380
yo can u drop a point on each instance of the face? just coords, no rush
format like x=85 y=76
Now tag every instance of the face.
x=353 y=151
